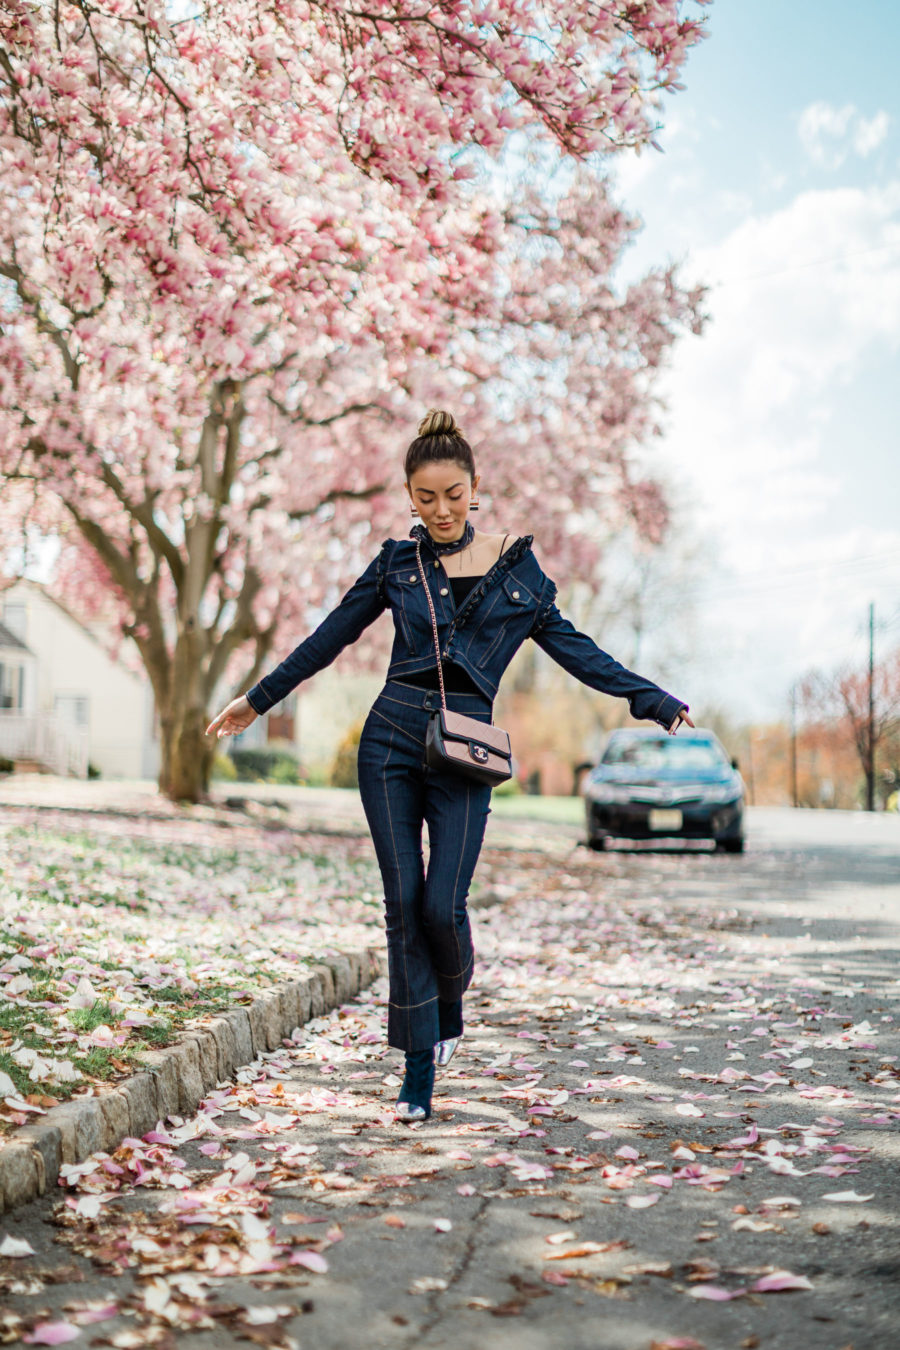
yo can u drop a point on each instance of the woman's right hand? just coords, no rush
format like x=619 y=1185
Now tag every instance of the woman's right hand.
x=234 y=719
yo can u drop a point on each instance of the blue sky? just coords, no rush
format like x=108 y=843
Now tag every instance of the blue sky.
x=780 y=187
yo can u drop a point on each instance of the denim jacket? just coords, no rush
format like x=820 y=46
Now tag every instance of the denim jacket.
x=514 y=600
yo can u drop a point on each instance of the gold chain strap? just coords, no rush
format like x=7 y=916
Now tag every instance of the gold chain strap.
x=434 y=628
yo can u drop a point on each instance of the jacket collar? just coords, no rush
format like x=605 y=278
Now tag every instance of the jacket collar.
x=493 y=576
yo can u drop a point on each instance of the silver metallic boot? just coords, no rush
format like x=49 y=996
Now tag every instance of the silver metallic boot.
x=443 y=1051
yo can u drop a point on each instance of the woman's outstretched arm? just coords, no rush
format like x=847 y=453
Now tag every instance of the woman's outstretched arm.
x=359 y=607
x=580 y=656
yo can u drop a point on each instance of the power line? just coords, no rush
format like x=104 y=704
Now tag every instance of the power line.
x=750 y=587
x=805 y=266
x=785 y=578
x=805 y=569
x=870 y=736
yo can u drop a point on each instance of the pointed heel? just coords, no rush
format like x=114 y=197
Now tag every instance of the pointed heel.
x=414 y=1099
x=443 y=1051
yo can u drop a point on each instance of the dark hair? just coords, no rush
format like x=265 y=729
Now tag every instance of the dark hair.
x=439 y=439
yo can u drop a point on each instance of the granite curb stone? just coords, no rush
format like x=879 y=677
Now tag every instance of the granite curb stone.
x=176 y=1079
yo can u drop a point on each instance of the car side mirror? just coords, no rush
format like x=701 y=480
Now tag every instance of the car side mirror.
x=734 y=764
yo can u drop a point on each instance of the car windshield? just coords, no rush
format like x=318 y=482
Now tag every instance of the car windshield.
x=667 y=753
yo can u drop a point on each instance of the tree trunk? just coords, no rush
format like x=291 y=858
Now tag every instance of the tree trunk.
x=187 y=752
x=187 y=755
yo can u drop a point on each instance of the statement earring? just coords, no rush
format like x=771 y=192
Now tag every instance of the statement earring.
x=413 y=511
x=474 y=504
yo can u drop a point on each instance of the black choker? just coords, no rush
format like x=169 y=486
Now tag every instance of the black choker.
x=421 y=533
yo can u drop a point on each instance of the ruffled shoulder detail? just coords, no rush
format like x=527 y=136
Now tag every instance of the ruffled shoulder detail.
x=382 y=563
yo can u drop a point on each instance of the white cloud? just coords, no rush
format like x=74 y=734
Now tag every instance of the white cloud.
x=867 y=136
x=806 y=295
x=797 y=296
x=829 y=134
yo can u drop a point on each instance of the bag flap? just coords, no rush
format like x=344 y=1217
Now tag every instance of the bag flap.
x=458 y=752
x=463 y=728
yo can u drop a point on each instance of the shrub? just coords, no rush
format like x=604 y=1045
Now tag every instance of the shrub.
x=343 y=770
x=265 y=764
x=285 y=771
x=253 y=764
x=223 y=768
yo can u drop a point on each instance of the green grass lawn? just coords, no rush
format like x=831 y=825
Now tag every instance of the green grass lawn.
x=553 y=810
x=117 y=933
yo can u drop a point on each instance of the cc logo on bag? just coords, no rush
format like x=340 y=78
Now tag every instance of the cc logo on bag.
x=479 y=753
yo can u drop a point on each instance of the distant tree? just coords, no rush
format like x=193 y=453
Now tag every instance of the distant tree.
x=842 y=695
x=645 y=590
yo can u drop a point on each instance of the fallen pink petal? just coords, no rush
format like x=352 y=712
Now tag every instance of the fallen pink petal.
x=52 y=1333
x=780 y=1280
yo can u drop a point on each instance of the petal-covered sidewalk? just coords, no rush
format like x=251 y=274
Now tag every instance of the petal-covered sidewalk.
x=666 y=1126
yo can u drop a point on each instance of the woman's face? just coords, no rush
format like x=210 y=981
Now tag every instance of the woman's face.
x=441 y=493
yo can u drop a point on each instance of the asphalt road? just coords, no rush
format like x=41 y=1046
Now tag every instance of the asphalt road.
x=672 y=1122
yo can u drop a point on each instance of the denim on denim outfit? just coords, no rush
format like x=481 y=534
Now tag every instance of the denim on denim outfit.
x=429 y=943
x=429 y=940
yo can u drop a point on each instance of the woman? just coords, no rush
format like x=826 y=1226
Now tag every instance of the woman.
x=489 y=594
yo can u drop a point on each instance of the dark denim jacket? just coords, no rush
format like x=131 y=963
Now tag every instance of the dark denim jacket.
x=513 y=601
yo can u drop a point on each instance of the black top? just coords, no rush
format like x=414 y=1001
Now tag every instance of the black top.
x=456 y=681
x=460 y=586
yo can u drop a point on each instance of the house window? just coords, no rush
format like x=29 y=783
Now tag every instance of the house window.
x=14 y=619
x=5 y=686
x=72 y=708
x=12 y=686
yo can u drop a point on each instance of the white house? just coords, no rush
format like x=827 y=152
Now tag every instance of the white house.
x=64 y=702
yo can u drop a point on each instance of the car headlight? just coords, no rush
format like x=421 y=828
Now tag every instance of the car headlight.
x=609 y=792
x=721 y=792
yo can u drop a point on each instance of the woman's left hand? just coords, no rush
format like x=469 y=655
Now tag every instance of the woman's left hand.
x=679 y=718
x=234 y=719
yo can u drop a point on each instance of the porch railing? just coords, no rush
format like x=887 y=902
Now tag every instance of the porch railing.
x=44 y=740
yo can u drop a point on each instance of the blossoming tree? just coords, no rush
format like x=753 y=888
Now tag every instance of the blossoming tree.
x=238 y=243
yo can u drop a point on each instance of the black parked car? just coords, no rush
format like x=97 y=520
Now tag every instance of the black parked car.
x=649 y=785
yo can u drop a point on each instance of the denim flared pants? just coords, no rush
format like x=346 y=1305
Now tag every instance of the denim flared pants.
x=429 y=941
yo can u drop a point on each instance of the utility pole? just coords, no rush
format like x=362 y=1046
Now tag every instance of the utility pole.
x=794 y=800
x=870 y=739
x=750 y=779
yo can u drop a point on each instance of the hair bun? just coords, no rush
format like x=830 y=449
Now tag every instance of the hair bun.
x=438 y=423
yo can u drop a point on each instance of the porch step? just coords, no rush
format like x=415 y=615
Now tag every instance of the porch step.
x=30 y=766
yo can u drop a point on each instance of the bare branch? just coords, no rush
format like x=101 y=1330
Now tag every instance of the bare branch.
x=142 y=512
x=243 y=627
x=339 y=494
x=57 y=335
x=298 y=415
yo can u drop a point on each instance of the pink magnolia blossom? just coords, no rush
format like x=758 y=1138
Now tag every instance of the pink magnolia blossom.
x=240 y=254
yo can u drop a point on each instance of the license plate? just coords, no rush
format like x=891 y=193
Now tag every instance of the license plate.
x=665 y=820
